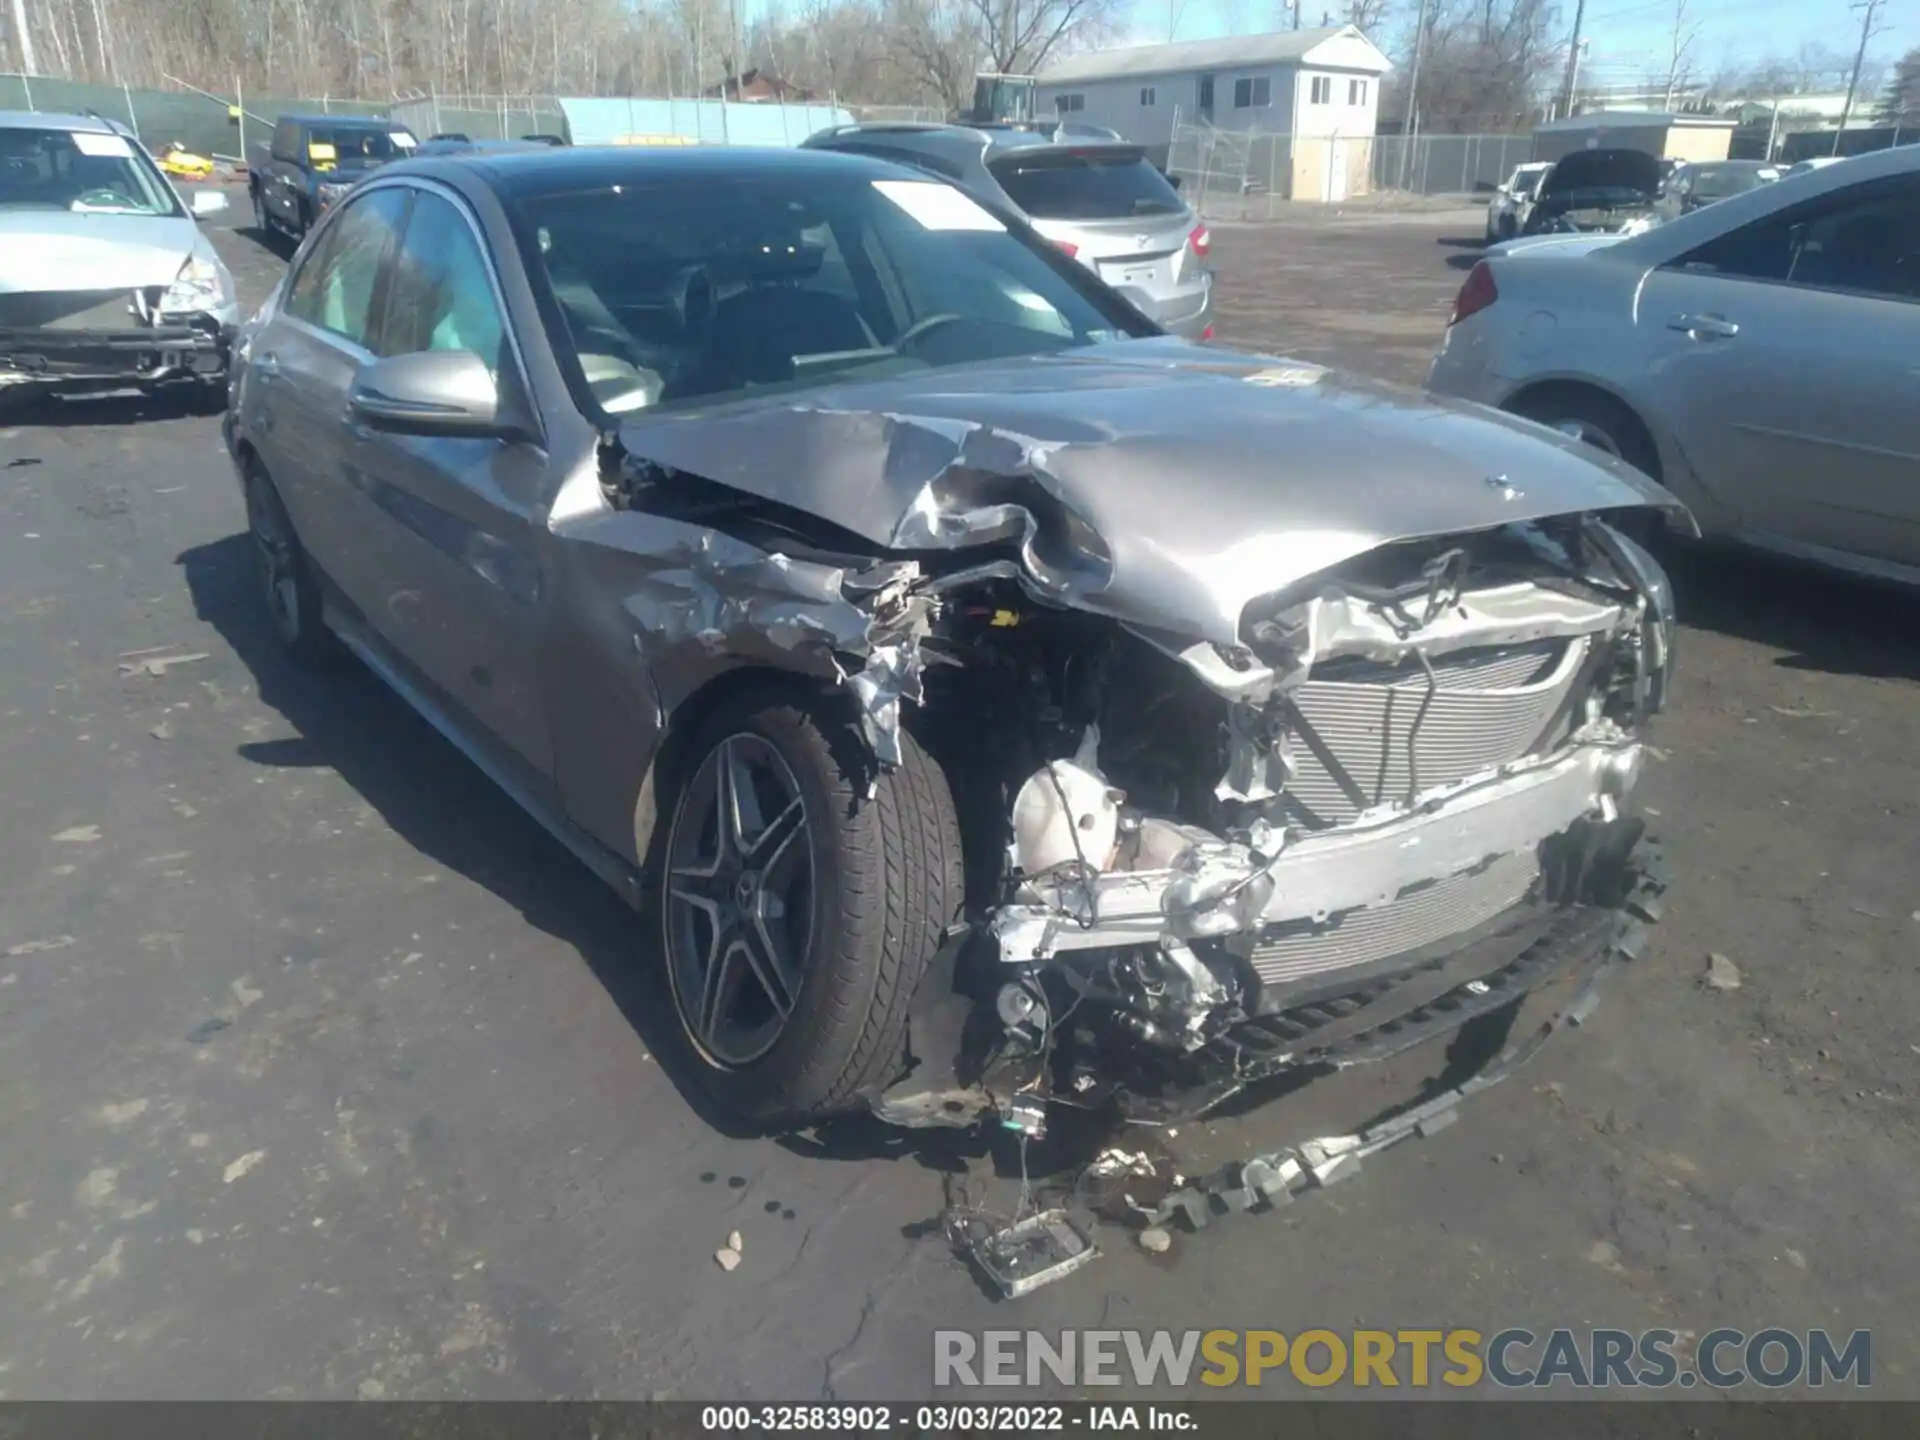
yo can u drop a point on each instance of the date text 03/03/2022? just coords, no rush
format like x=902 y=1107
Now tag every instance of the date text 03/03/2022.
x=946 y=1418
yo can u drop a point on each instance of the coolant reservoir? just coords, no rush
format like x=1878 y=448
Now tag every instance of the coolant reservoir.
x=1065 y=812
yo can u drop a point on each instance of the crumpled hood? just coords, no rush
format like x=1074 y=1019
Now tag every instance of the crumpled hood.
x=1212 y=478
x=58 y=250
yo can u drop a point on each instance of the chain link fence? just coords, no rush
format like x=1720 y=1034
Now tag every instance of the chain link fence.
x=205 y=123
x=1256 y=175
x=481 y=117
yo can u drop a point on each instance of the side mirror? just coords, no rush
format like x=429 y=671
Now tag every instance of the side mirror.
x=432 y=392
x=1173 y=180
x=208 y=202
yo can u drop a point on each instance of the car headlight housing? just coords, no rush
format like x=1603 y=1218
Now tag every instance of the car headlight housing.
x=1638 y=227
x=202 y=284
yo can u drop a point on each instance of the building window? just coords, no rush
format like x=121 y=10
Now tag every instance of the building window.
x=1067 y=104
x=1147 y=97
x=1356 y=92
x=1322 y=93
x=1254 y=94
x=1206 y=92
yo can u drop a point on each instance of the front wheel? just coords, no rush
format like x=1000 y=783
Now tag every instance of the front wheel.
x=800 y=898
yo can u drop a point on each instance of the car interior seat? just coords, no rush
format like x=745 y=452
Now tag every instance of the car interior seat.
x=758 y=331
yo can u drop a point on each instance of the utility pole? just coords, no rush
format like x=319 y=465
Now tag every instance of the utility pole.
x=1413 y=92
x=1871 y=9
x=1573 y=58
x=26 y=37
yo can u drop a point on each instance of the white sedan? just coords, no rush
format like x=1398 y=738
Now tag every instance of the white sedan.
x=1760 y=356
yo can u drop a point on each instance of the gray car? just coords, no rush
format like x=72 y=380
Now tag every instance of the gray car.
x=1099 y=200
x=106 y=280
x=988 y=699
x=1756 y=355
x=1507 y=207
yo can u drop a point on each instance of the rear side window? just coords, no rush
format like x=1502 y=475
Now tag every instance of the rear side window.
x=1086 y=185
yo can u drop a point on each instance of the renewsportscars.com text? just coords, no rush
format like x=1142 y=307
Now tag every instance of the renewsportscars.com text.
x=1513 y=1358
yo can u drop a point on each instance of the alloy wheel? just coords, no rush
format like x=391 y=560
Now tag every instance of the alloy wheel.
x=739 y=900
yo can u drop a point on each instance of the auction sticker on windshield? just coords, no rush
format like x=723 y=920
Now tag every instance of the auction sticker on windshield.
x=105 y=147
x=937 y=207
x=402 y=139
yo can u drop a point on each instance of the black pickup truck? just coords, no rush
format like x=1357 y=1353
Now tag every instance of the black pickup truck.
x=312 y=161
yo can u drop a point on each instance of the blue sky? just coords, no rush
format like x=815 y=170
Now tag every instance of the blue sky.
x=1628 y=38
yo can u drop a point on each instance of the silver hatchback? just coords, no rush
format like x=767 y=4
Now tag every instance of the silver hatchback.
x=1101 y=201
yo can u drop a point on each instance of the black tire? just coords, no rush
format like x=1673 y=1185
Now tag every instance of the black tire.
x=883 y=880
x=288 y=586
x=1611 y=428
x=1596 y=419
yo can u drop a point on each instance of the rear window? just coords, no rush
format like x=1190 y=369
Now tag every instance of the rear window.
x=1085 y=185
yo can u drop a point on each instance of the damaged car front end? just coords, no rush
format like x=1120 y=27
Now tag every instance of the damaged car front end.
x=107 y=280
x=1248 y=781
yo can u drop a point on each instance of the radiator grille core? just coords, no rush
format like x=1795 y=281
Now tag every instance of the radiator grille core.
x=1417 y=918
x=1354 y=721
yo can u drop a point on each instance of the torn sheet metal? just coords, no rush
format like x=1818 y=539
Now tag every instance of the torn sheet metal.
x=1217 y=887
x=861 y=628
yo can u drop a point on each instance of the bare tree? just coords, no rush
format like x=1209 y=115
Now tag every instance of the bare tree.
x=1680 y=42
x=1017 y=36
x=1485 y=64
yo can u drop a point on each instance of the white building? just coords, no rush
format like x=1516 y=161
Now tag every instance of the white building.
x=1320 y=86
x=1287 y=82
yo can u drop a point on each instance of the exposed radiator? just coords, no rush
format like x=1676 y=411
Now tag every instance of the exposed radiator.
x=1417 y=918
x=1354 y=721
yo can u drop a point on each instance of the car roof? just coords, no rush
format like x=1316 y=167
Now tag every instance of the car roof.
x=550 y=169
x=54 y=120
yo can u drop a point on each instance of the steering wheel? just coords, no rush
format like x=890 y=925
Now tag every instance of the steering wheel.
x=105 y=199
x=923 y=327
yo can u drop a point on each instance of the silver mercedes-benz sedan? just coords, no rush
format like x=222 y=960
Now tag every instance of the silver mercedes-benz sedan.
x=1756 y=356
x=991 y=701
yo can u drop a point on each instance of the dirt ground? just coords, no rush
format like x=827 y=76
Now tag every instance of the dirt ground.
x=324 y=1072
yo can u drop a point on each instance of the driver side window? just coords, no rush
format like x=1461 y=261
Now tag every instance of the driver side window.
x=335 y=288
x=1865 y=239
x=441 y=296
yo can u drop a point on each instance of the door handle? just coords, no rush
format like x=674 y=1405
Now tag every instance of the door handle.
x=1705 y=327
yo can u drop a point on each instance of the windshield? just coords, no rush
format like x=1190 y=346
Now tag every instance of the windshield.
x=1085 y=185
x=356 y=147
x=691 y=289
x=86 y=172
x=1716 y=182
x=1525 y=182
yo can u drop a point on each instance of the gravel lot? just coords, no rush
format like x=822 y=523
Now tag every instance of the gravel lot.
x=326 y=1073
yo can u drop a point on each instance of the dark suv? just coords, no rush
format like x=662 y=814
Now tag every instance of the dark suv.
x=1101 y=201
